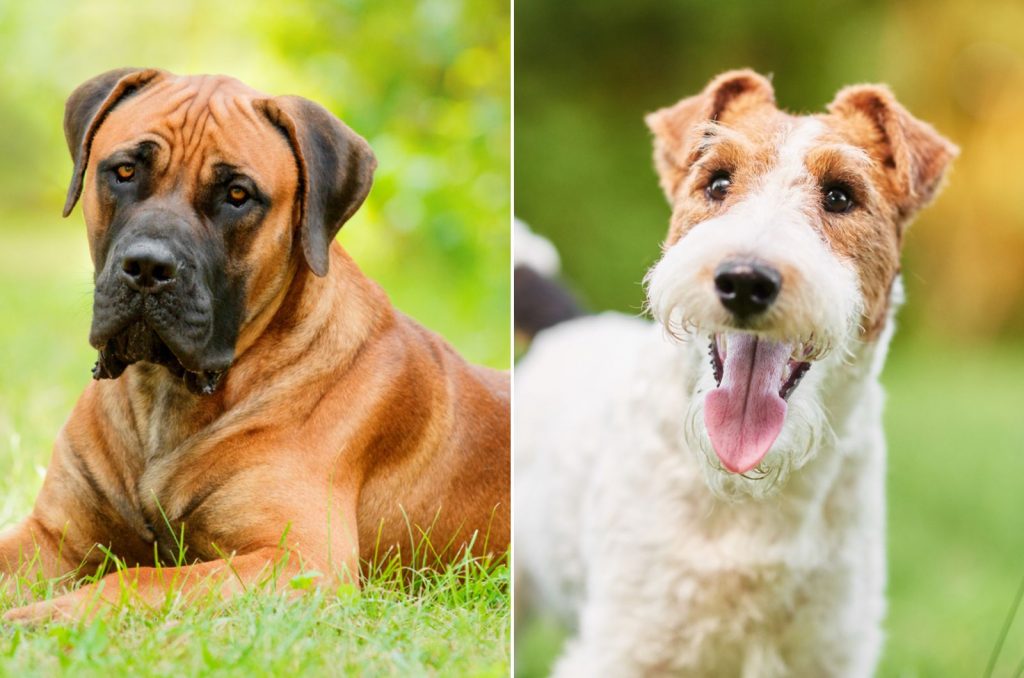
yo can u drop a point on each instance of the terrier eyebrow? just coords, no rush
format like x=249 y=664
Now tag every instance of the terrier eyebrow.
x=850 y=154
x=845 y=163
x=712 y=135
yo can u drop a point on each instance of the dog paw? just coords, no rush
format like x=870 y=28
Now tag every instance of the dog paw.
x=65 y=608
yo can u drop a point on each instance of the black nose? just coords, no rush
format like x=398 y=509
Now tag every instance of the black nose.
x=148 y=266
x=746 y=288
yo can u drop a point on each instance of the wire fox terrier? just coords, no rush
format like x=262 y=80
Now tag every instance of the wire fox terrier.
x=705 y=496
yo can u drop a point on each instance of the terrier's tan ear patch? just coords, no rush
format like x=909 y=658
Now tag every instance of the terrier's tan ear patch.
x=910 y=150
x=731 y=93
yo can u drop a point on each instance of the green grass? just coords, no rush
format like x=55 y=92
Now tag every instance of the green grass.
x=453 y=623
x=449 y=624
x=955 y=425
x=956 y=483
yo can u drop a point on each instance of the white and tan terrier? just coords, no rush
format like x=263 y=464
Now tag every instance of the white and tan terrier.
x=705 y=496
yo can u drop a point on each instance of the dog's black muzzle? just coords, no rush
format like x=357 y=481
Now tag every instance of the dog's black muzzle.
x=156 y=300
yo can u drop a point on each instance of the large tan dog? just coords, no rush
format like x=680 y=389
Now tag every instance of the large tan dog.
x=256 y=395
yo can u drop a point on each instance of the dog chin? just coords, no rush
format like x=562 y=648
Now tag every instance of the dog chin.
x=138 y=342
x=803 y=433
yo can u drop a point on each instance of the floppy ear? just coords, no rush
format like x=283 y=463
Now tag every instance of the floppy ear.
x=85 y=110
x=911 y=151
x=335 y=171
x=675 y=147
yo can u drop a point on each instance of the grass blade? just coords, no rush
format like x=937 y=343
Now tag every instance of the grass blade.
x=997 y=650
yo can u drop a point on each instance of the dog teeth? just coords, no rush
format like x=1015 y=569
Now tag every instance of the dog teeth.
x=717 y=368
x=796 y=372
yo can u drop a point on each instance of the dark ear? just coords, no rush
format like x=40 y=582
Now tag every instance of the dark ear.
x=85 y=110
x=731 y=93
x=335 y=171
x=915 y=155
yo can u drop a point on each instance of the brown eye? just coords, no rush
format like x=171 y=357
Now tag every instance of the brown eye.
x=719 y=185
x=237 y=196
x=837 y=199
x=125 y=172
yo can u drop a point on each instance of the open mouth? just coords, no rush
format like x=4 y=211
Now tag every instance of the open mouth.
x=754 y=378
x=794 y=371
x=139 y=342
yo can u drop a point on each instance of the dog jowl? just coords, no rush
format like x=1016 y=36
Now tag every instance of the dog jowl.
x=783 y=251
x=163 y=293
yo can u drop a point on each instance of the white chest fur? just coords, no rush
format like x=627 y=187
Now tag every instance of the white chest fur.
x=617 y=527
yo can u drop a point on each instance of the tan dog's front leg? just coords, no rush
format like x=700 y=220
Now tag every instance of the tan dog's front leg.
x=310 y=546
x=30 y=549
x=150 y=586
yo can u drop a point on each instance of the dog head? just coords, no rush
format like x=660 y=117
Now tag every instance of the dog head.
x=199 y=194
x=782 y=258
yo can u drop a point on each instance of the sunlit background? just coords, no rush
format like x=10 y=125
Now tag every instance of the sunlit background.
x=427 y=84
x=585 y=73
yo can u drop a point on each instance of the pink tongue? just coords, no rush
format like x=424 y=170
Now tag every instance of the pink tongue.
x=745 y=414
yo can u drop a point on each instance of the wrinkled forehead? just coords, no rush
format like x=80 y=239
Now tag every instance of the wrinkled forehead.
x=197 y=123
x=773 y=140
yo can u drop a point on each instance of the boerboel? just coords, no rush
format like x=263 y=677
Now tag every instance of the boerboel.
x=258 y=401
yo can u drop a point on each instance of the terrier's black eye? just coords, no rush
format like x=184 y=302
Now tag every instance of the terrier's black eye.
x=719 y=185
x=837 y=199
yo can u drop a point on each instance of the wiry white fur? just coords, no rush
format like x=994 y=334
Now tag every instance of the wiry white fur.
x=627 y=525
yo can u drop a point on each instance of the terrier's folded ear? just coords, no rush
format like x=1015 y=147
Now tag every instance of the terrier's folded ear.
x=914 y=156
x=675 y=128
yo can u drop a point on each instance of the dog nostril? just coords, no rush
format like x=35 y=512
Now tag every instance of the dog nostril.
x=131 y=267
x=162 y=272
x=762 y=291
x=724 y=285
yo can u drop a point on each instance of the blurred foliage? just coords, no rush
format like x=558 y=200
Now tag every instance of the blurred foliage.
x=586 y=72
x=426 y=82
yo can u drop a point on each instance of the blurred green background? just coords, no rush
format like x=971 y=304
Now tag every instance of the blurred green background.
x=585 y=74
x=426 y=82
